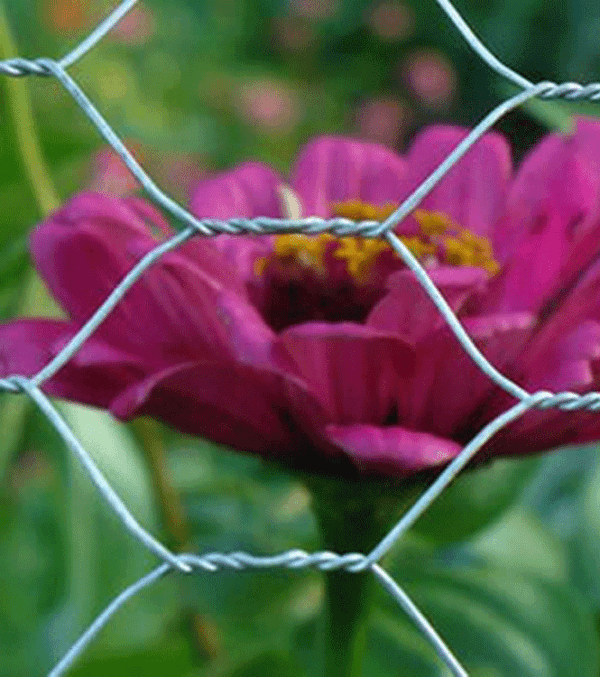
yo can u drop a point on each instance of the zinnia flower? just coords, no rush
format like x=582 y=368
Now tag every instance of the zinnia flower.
x=325 y=354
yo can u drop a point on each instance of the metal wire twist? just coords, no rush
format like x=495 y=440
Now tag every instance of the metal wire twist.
x=292 y=559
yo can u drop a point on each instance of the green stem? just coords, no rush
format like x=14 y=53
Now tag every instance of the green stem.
x=34 y=297
x=21 y=112
x=352 y=517
x=173 y=515
x=348 y=599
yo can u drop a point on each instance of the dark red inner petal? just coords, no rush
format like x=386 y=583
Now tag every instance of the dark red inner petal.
x=284 y=302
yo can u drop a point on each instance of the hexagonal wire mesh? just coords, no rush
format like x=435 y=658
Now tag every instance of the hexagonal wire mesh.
x=293 y=559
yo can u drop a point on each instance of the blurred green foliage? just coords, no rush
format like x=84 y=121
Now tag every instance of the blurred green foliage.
x=506 y=564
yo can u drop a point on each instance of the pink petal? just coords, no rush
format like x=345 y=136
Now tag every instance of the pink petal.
x=409 y=312
x=249 y=190
x=242 y=253
x=575 y=305
x=94 y=376
x=150 y=214
x=534 y=267
x=176 y=312
x=539 y=431
x=557 y=175
x=448 y=387
x=576 y=201
x=563 y=356
x=335 y=169
x=568 y=361
x=393 y=450
x=228 y=403
x=472 y=194
x=355 y=370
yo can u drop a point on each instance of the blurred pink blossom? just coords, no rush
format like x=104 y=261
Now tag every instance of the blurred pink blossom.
x=269 y=104
x=431 y=77
x=66 y=15
x=383 y=119
x=175 y=172
x=178 y=172
x=136 y=27
x=294 y=34
x=110 y=175
x=391 y=20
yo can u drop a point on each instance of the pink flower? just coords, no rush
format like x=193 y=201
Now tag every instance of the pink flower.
x=391 y=21
x=383 y=119
x=110 y=173
x=431 y=77
x=136 y=27
x=326 y=354
x=269 y=104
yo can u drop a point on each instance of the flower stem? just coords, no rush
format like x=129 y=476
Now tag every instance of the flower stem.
x=348 y=599
x=34 y=297
x=352 y=517
x=173 y=515
x=21 y=111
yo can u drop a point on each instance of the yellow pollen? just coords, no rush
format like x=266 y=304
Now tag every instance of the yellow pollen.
x=460 y=247
x=433 y=223
x=440 y=239
x=306 y=250
x=360 y=255
x=355 y=210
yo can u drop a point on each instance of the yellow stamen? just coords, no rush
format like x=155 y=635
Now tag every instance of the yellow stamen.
x=461 y=246
x=469 y=250
x=433 y=223
x=360 y=255
x=440 y=238
x=306 y=250
x=356 y=210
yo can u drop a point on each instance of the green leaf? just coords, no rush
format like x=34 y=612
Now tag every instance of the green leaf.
x=565 y=493
x=497 y=622
x=171 y=657
x=107 y=556
x=521 y=542
x=267 y=664
x=475 y=500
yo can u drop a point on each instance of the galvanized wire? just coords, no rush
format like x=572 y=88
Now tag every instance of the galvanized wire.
x=292 y=559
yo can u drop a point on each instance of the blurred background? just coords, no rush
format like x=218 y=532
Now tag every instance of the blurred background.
x=507 y=563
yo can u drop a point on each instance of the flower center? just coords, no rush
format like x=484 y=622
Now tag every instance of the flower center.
x=440 y=241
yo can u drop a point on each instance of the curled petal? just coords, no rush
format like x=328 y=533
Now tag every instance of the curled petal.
x=407 y=309
x=448 y=387
x=392 y=449
x=250 y=190
x=229 y=403
x=171 y=314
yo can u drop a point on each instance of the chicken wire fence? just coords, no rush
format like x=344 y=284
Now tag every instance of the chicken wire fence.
x=292 y=559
